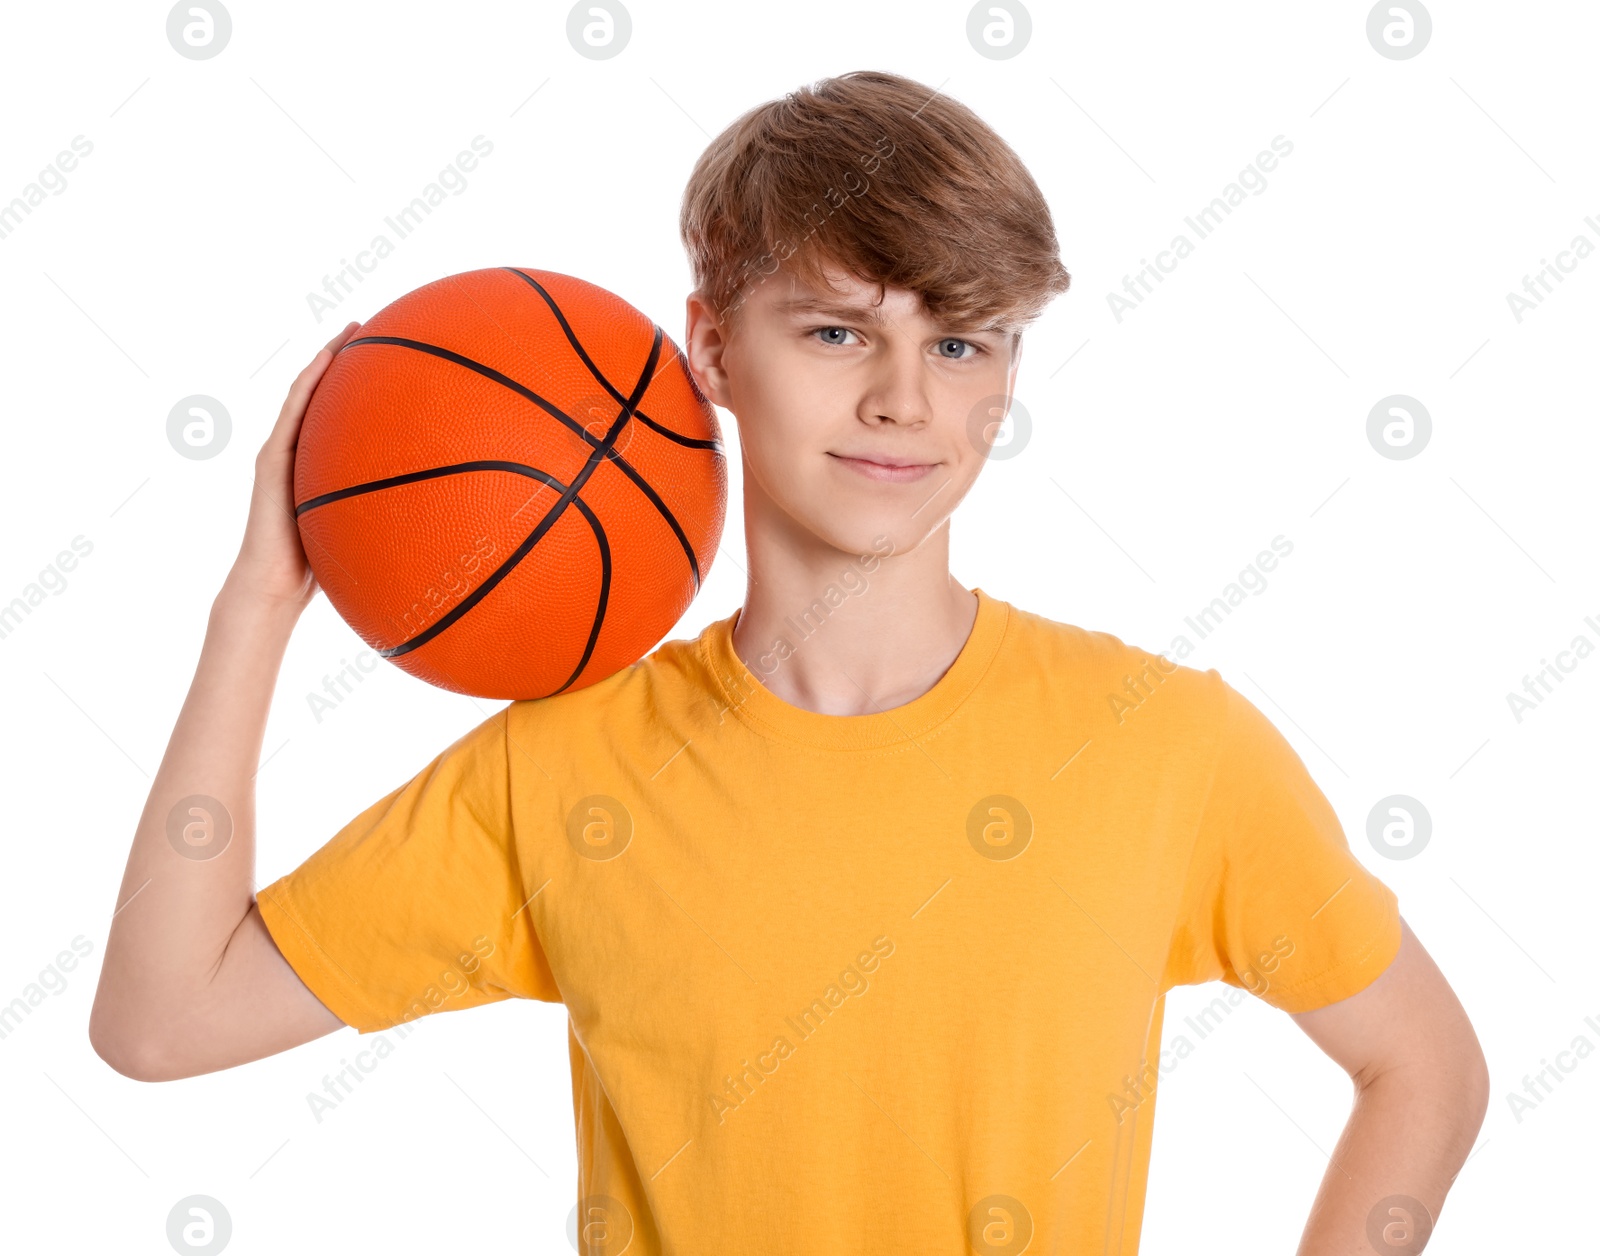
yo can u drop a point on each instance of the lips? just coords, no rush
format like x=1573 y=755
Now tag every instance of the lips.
x=885 y=468
x=884 y=460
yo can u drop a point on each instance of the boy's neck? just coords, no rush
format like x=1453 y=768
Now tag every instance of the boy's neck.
x=881 y=636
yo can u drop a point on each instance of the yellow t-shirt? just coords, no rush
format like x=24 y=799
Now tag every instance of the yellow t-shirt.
x=886 y=983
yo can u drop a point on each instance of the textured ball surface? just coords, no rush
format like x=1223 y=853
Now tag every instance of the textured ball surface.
x=508 y=483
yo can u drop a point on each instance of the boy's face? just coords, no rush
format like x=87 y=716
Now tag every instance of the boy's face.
x=856 y=420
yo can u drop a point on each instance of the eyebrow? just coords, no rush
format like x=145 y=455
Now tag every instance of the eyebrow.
x=835 y=309
x=866 y=313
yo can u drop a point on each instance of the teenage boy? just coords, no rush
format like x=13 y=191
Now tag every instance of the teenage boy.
x=864 y=902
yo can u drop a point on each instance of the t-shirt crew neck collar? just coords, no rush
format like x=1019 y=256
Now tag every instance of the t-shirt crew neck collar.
x=770 y=715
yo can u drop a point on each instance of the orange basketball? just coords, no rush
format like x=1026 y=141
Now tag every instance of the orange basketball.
x=508 y=483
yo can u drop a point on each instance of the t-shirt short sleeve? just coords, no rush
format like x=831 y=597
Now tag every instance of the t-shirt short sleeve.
x=1275 y=901
x=418 y=904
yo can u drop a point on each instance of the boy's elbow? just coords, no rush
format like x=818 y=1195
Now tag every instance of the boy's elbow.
x=1475 y=1087
x=133 y=1059
x=1462 y=1074
x=1448 y=1085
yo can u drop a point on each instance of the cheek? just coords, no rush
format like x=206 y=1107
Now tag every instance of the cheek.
x=981 y=413
x=759 y=380
x=780 y=449
x=966 y=465
x=781 y=413
x=776 y=442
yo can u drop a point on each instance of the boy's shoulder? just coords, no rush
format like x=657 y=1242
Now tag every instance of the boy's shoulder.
x=677 y=665
x=1075 y=651
x=1110 y=682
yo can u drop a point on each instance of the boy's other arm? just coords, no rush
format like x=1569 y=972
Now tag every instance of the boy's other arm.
x=191 y=981
x=1421 y=1091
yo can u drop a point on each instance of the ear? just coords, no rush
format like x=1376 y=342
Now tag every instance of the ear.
x=704 y=343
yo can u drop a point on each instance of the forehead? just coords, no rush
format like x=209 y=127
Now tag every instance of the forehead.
x=793 y=296
x=857 y=301
x=788 y=297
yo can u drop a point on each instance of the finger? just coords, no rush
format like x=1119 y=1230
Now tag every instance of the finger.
x=300 y=390
x=339 y=338
x=306 y=382
x=285 y=432
x=286 y=429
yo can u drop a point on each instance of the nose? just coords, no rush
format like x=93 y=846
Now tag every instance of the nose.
x=897 y=384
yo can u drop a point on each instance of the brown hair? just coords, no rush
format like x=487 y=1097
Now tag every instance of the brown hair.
x=892 y=181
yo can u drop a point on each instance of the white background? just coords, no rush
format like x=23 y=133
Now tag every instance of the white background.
x=1229 y=408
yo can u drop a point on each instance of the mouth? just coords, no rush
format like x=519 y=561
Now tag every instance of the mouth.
x=887 y=469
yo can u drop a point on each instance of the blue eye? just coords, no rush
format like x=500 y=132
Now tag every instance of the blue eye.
x=835 y=335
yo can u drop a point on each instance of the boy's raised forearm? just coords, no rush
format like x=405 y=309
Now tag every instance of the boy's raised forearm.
x=190 y=877
x=1406 y=1139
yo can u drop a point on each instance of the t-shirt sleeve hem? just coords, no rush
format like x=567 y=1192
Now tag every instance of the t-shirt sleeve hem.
x=311 y=963
x=1349 y=978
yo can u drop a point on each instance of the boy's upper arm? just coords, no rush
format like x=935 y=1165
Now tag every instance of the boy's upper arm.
x=418 y=904
x=1408 y=1018
x=267 y=977
x=254 y=1005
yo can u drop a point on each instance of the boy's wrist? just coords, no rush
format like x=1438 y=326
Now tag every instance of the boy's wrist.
x=238 y=599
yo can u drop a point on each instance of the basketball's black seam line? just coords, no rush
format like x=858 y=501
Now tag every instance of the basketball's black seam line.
x=411 y=477
x=497 y=464
x=478 y=594
x=570 y=493
x=605 y=591
x=488 y=372
x=522 y=552
x=572 y=336
x=583 y=356
x=662 y=508
x=691 y=442
x=483 y=590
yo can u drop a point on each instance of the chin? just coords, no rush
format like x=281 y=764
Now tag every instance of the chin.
x=878 y=533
